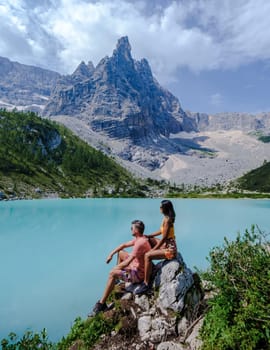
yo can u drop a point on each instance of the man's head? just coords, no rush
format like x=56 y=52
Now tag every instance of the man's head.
x=137 y=227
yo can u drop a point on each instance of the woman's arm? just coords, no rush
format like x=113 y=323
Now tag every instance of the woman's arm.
x=157 y=233
x=166 y=229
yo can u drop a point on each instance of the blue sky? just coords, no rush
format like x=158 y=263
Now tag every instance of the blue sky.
x=214 y=55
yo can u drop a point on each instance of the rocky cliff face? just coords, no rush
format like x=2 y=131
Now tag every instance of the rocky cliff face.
x=25 y=87
x=120 y=98
x=231 y=121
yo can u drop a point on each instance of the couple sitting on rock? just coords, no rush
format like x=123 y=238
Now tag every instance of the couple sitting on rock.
x=136 y=267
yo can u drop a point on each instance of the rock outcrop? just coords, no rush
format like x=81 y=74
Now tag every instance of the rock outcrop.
x=166 y=319
x=232 y=121
x=121 y=99
x=25 y=87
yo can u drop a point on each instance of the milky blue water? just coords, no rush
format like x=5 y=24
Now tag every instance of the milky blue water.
x=52 y=252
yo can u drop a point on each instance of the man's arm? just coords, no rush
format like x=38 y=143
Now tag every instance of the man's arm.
x=117 y=249
x=125 y=263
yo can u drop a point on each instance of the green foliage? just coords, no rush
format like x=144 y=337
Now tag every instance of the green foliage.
x=265 y=138
x=36 y=152
x=257 y=179
x=84 y=333
x=29 y=341
x=239 y=316
x=87 y=333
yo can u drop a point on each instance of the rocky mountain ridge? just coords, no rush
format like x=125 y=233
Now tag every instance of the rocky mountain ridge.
x=246 y=122
x=25 y=87
x=120 y=98
x=120 y=108
x=123 y=105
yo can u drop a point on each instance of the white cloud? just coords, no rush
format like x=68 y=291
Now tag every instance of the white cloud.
x=22 y=36
x=90 y=31
x=240 y=28
x=199 y=34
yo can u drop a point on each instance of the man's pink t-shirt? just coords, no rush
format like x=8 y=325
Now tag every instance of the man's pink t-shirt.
x=141 y=246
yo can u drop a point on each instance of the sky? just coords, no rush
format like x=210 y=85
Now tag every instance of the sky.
x=214 y=55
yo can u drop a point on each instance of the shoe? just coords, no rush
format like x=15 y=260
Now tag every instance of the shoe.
x=131 y=287
x=98 y=308
x=143 y=288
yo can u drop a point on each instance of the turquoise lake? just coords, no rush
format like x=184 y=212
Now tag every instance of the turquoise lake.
x=52 y=252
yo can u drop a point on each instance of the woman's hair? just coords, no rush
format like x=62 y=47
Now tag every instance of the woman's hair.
x=167 y=209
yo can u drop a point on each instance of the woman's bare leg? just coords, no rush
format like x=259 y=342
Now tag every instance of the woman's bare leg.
x=149 y=256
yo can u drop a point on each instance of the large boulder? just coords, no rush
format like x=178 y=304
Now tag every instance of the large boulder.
x=173 y=280
x=168 y=318
x=172 y=308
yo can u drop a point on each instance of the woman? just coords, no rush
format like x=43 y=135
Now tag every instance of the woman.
x=165 y=248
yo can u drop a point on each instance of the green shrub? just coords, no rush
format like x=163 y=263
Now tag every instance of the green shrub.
x=265 y=138
x=239 y=314
x=87 y=333
x=29 y=341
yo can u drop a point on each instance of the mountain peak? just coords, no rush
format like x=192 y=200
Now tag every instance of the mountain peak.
x=122 y=100
x=91 y=66
x=83 y=70
x=123 y=42
x=123 y=48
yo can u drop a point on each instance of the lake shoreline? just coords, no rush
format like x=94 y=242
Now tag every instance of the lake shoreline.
x=191 y=195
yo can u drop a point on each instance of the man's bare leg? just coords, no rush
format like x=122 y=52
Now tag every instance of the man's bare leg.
x=122 y=255
x=114 y=274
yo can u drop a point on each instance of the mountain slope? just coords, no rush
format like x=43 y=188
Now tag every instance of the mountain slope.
x=25 y=87
x=38 y=157
x=257 y=179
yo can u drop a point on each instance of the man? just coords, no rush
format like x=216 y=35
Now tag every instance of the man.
x=130 y=267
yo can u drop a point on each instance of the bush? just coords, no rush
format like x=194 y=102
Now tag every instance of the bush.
x=86 y=333
x=239 y=314
x=29 y=341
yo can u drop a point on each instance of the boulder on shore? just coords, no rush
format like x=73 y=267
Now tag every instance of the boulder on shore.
x=164 y=318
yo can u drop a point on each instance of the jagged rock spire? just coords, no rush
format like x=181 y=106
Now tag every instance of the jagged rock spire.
x=123 y=48
x=122 y=100
x=91 y=66
x=84 y=70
